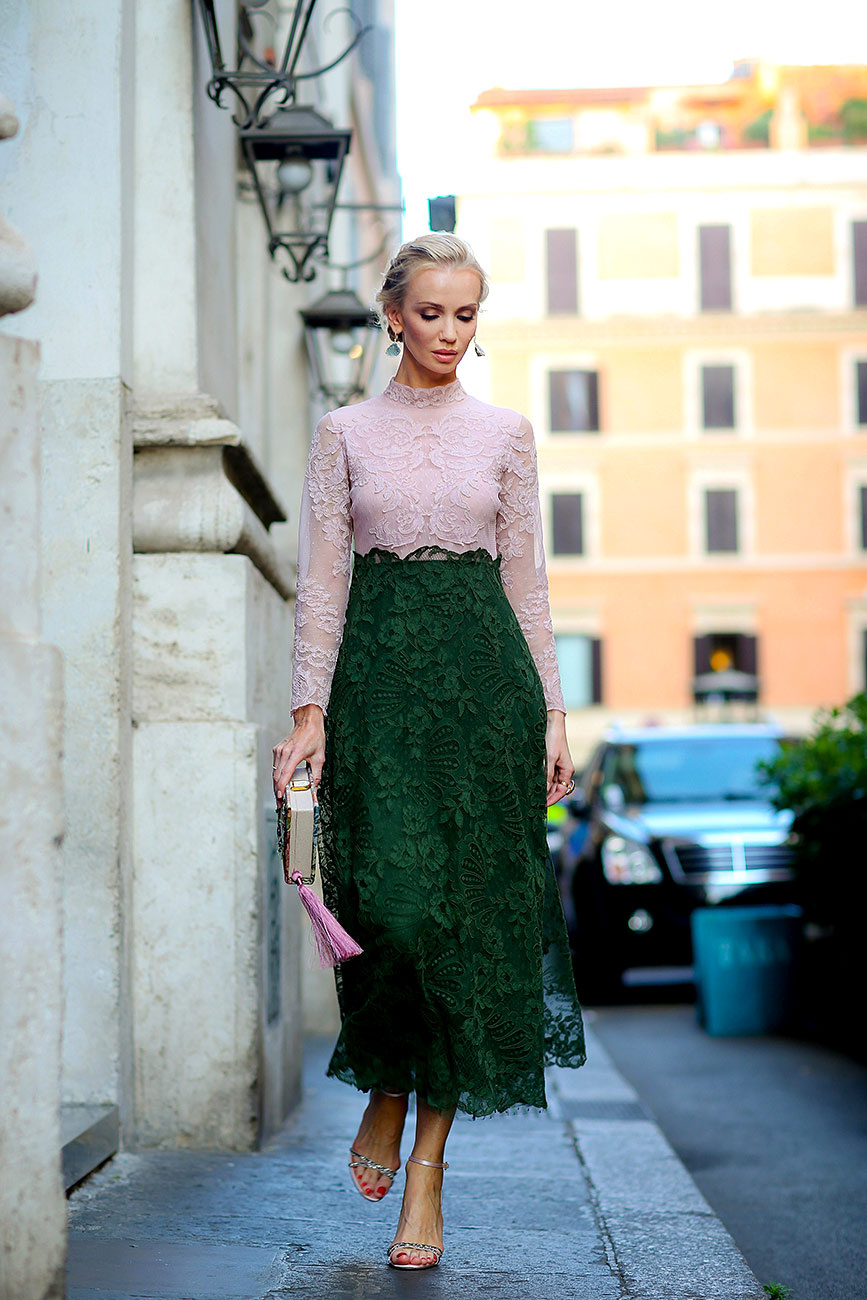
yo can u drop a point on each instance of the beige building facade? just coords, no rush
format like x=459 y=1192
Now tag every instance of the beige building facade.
x=687 y=330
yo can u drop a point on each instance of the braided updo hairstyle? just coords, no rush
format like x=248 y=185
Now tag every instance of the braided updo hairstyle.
x=434 y=250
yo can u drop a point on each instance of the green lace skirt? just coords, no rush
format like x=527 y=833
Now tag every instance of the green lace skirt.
x=433 y=842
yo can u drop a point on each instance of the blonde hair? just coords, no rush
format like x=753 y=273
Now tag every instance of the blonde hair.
x=433 y=250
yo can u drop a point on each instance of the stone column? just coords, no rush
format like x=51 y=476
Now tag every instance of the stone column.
x=214 y=975
x=32 y=1204
x=215 y=964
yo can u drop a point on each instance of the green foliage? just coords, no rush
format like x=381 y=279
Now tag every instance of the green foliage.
x=759 y=130
x=821 y=131
x=677 y=138
x=776 y=1290
x=854 y=115
x=823 y=780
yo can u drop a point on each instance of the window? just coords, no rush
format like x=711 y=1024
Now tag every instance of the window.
x=561 y=267
x=550 y=135
x=861 y=391
x=717 y=652
x=718 y=397
x=567 y=517
x=715 y=271
x=721 y=520
x=859 y=261
x=862 y=516
x=580 y=662
x=574 y=401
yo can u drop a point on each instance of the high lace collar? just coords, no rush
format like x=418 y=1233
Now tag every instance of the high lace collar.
x=440 y=396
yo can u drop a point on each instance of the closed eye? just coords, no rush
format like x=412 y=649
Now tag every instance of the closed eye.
x=432 y=316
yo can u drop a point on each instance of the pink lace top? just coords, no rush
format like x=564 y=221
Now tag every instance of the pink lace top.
x=409 y=468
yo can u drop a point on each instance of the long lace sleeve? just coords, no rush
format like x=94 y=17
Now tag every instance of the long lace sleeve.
x=324 y=552
x=519 y=541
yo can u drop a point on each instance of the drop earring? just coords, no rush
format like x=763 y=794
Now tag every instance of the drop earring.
x=393 y=349
x=480 y=351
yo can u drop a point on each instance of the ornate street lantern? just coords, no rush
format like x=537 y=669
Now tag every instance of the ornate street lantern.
x=339 y=331
x=297 y=153
x=260 y=81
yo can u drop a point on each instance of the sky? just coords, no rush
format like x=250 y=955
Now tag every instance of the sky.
x=447 y=53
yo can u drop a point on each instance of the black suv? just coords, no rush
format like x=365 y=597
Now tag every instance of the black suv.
x=667 y=819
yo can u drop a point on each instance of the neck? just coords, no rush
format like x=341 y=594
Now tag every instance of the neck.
x=409 y=372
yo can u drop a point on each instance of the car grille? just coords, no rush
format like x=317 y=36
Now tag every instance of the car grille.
x=698 y=859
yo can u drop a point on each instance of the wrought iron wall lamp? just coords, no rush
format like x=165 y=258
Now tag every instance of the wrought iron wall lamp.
x=299 y=150
x=259 y=79
x=289 y=148
x=338 y=330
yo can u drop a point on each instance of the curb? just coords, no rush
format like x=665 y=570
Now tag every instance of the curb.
x=663 y=1240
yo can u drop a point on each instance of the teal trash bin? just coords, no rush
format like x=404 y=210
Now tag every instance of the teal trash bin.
x=745 y=961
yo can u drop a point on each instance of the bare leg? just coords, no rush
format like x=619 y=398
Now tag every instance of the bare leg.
x=421 y=1216
x=379 y=1138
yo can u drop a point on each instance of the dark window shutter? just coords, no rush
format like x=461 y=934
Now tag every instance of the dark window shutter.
x=593 y=400
x=567 y=510
x=596 y=669
x=859 y=261
x=442 y=213
x=715 y=269
x=718 y=397
x=701 y=647
x=561 y=264
x=862 y=499
x=861 y=384
x=747 y=654
x=721 y=520
x=574 y=401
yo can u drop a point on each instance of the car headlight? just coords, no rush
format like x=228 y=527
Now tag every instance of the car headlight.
x=625 y=862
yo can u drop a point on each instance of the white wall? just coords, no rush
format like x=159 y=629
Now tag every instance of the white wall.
x=32 y=1205
x=65 y=183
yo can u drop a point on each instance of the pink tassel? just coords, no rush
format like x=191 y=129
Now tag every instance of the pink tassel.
x=332 y=942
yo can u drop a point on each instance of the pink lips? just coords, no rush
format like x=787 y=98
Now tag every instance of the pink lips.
x=445 y=356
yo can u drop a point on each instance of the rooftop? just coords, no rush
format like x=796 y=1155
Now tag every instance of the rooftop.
x=762 y=105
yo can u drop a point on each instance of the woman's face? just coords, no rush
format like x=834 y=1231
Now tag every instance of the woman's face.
x=438 y=317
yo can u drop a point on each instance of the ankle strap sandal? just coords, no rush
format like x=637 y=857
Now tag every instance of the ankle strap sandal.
x=436 y=1251
x=362 y=1161
x=434 y=1164
x=415 y=1245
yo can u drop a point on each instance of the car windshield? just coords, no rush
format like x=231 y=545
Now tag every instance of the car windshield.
x=687 y=769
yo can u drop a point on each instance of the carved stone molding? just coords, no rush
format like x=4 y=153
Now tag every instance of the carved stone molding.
x=197 y=487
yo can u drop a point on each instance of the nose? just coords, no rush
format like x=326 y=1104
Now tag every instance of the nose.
x=448 y=331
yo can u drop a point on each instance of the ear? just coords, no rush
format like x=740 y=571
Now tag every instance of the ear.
x=394 y=316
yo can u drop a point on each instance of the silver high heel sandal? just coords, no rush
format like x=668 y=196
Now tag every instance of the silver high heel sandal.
x=437 y=1251
x=362 y=1161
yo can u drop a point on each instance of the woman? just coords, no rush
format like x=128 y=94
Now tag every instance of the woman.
x=427 y=699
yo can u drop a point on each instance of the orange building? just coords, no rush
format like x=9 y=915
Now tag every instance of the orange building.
x=680 y=306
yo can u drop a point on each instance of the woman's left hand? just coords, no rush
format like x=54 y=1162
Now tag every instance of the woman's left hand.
x=561 y=769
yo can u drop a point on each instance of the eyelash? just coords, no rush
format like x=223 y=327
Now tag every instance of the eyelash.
x=466 y=319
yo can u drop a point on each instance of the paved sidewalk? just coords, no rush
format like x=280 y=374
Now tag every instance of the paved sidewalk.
x=586 y=1201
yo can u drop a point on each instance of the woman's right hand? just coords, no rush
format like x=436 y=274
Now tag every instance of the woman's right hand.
x=306 y=740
